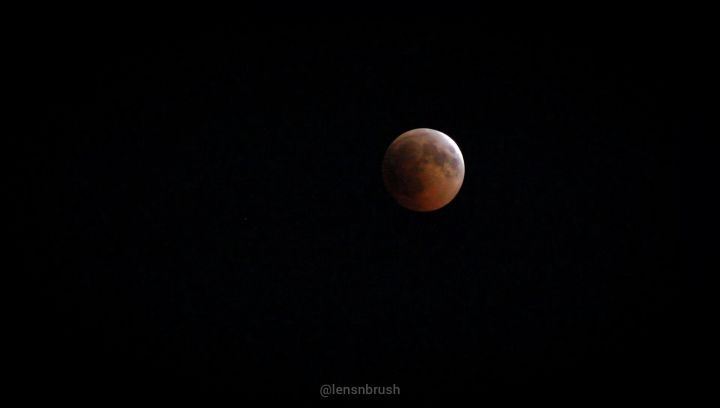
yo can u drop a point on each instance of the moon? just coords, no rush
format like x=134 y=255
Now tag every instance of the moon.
x=423 y=169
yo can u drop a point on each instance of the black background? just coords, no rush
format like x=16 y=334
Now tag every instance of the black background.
x=219 y=220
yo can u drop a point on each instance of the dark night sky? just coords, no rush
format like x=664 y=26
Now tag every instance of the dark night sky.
x=219 y=217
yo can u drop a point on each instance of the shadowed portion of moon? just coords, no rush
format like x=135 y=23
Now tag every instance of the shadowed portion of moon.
x=403 y=176
x=423 y=169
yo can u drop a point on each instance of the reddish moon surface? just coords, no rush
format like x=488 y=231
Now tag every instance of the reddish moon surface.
x=423 y=169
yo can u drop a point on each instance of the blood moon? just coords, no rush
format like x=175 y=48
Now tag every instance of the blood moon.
x=423 y=169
